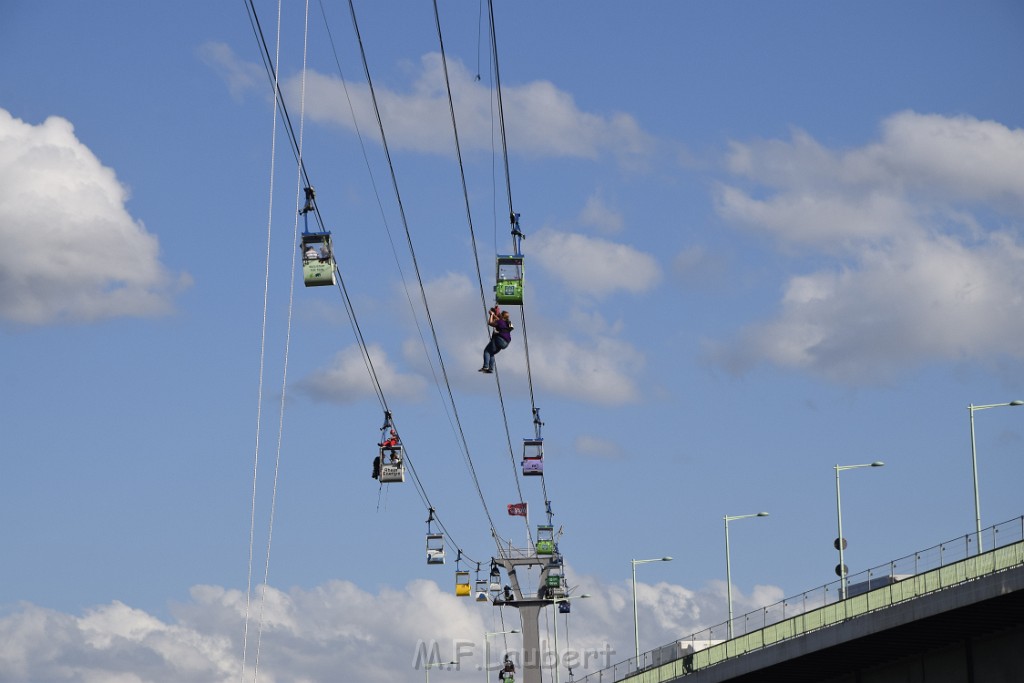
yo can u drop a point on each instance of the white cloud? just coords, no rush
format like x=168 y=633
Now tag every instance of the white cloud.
x=239 y=75
x=547 y=121
x=598 y=447
x=69 y=250
x=335 y=631
x=593 y=266
x=599 y=215
x=346 y=378
x=592 y=364
x=953 y=156
x=697 y=265
x=917 y=275
x=598 y=369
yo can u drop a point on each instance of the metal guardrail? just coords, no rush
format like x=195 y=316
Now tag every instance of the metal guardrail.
x=942 y=566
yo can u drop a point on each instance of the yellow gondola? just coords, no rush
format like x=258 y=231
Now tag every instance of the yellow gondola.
x=462 y=587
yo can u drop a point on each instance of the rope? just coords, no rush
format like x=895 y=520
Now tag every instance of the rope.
x=284 y=374
x=263 y=346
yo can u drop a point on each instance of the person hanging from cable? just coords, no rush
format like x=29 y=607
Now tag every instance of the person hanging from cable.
x=500 y=338
x=508 y=672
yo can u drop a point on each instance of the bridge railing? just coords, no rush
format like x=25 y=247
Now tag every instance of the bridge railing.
x=932 y=569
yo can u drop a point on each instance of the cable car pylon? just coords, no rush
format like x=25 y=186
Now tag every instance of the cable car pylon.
x=552 y=591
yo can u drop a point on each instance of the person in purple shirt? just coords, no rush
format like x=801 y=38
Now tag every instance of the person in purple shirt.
x=500 y=339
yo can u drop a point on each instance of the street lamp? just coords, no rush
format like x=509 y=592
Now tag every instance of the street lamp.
x=728 y=569
x=840 y=542
x=426 y=667
x=974 y=462
x=636 y=629
x=555 y=601
x=487 y=648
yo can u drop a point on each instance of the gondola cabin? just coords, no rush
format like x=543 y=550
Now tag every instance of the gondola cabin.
x=494 y=580
x=462 y=583
x=435 y=549
x=392 y=464
x=533 y=457
x=481 y=590
x=509 y=287
x=555 y=583
x=317 y=259
x=545 y=540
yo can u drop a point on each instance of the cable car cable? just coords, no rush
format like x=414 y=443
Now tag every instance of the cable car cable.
x=419 y=278
x=469 y=221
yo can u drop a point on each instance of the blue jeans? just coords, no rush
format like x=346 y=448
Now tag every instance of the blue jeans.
x=496 y=344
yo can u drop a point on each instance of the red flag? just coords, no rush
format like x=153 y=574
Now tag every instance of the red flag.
x=517 y=509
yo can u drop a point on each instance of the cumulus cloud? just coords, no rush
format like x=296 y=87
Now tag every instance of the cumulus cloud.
x=917 y=231
x=346 y=378
x=69 y=249
x=335 y=631
x=547 y=122
x=593 y=266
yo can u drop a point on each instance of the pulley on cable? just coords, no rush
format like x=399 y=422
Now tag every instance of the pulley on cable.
x=508 y=288
x=317 y=252
x=389 y=465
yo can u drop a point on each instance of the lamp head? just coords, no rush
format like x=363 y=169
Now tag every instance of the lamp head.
x=1017 y=403
x=762 y=514
x=878 y=463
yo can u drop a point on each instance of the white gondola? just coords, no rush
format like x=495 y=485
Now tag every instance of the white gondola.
x=481 y=591
x=533 y=457
x=494 y=583
x=435 y=548
x=392 y=464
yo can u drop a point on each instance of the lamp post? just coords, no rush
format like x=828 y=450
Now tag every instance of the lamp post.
x=426 y=668
x=636 y=629
x=555 y=601
x=728 y=568
x=487 y=648
x=974 y=462
x=840 y=542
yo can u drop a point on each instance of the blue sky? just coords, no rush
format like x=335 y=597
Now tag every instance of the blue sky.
x=762 y=239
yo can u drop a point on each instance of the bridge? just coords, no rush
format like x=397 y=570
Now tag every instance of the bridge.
x=948 y=613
